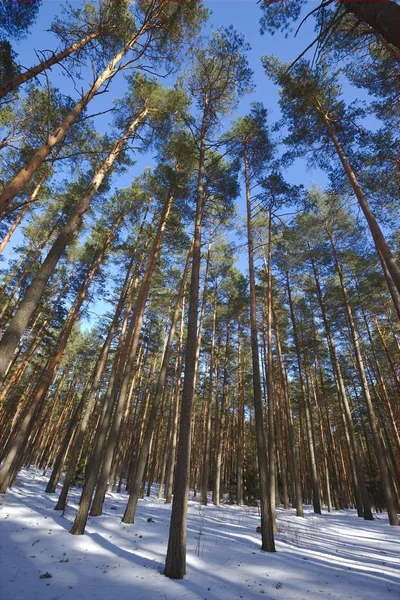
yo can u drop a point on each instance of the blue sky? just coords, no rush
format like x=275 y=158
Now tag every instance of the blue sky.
x=244 y=15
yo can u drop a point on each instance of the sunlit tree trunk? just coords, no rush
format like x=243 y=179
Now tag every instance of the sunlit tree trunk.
x=31 y=299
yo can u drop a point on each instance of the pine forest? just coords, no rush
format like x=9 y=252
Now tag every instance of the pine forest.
x=199 y=299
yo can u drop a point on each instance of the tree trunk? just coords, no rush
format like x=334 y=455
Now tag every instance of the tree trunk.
x=8 y=472
x=32 y=296
x=221 y=425
x=18 y=80
x=175 y=563
x=15 y=186
x=267 y=533
x=306 y=405
x=128 y=358
x=390 y=506
x=169 y=480
x=240 y=441
x=135 y=485
x=360 y=489
x=382 y=17
x=382 y=248
x=207 y=433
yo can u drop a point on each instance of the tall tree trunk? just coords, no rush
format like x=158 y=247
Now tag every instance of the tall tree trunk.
x=270 y=385
x=289 y=418
x=306 y=405
x=169 y=480
x=221 y=425
x=8 y=472
x=175 y=563
x=32 y=296
x=360 y=489
x=207 y=433
x=267 y=532
x=130 y=510
x=240 y=441
x=382 y=248
x=100 y=437
x=15 y=186
x=124 y=372
x=390 y=506
x=24 y=273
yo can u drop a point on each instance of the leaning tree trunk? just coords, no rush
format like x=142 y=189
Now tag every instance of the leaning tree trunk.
x=382 y=248
x=23 y=275
x=33 y=72
x=137 y=317
x=8 y=471
x=26 y=206
x=15 y=186
x=267 y=532
x=32 y=297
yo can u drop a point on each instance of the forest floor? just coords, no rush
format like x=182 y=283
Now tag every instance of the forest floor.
x=336 y=555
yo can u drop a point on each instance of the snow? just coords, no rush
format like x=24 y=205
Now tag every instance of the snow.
x=337 y=555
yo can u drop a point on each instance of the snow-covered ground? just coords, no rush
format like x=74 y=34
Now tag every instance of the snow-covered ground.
x=336 y=555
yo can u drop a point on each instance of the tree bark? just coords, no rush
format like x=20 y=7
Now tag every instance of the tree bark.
x=382 y=16
x=240 y=441
x=207 y=433
x=169 y=480
x=360 y=489
x=7 y=472
x=306 y=406
x=121 y=392
x=289 y=417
